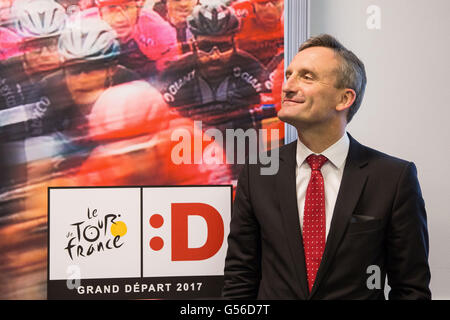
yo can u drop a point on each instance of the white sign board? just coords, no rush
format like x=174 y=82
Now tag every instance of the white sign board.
x=137 y=242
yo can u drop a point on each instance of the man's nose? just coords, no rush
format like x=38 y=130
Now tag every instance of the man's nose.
x=289 y=85
x=215 y=53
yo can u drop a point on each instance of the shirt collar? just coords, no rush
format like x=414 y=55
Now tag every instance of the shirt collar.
x=336 y=153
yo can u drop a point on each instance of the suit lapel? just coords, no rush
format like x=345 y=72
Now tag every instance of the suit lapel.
x=287 y=193
x=352 y=184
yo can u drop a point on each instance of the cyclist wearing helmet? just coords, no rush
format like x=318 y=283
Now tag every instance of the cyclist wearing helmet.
x=146 y=40
x=39 y=23
x=262 y=36
x=89 y=52
x=262 y=33
x=176 y=13
x=125 y=130
x=217 y=83
x=37 y=27
x=133 y=128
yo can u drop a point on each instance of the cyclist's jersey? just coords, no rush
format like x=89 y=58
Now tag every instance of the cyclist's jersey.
x=9 y=44
x=62 y=114
x=147 y=160
x=277 y=78
x=265 y=44
x=272 y=98
x=133 y=58
x=152 y=44
x=65 y=123
x=19 y=96
x=243 y=8
x=28 y=98
x=12 y=127
x=228 y=104
x=133 y=128
x=13 y=92
x=155 y=36
x=127 y=110
x=184 y=35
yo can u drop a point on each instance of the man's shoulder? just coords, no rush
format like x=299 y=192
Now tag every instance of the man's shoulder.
x=245 y=60
x=56 y=78
x=384 y=157
x=53 y=86
x=376 y=159
x=382 y=161
x=267 y=163
x=184 y=64
x=288 y=148
x=12 y=69
x=374 y=156
x=124 y=74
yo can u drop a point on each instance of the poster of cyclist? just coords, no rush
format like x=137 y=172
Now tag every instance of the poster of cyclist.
x=127 y=93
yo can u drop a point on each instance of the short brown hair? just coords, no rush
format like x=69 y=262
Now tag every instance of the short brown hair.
x=351 y=73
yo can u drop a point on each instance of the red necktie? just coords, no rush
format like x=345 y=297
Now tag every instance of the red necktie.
x=314 y=219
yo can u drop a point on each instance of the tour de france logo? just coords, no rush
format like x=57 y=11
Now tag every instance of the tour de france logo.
x=96 y=234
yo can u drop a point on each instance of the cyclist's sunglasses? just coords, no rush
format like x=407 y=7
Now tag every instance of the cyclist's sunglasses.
x=37 y=46
x=207 y=46
x=86 y=67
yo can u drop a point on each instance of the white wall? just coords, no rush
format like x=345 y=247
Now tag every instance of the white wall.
x=406 y=109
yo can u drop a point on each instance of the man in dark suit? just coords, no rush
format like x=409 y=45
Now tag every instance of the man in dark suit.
x=338 y=216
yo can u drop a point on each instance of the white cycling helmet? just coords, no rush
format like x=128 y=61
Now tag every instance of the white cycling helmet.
x=213 y=18
x=38 y=18
x=90 y=39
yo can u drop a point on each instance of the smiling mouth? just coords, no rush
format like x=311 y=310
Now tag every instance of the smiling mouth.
x=293 y=101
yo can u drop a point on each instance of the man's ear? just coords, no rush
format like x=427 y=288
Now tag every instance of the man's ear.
x=348 y=97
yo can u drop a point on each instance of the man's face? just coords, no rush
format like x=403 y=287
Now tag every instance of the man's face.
x=122 y=18
x=41 y=55
x=309 y=94
x=213 y=54
x=179 y=10
x=86 y=81
x=268 y=13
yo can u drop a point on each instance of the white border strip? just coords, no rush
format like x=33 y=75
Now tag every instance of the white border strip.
x=296 y=31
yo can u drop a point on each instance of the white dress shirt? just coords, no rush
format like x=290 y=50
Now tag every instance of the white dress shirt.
x=332 y=171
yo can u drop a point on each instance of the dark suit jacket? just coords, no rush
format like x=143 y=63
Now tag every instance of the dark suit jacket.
x=379 y=220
